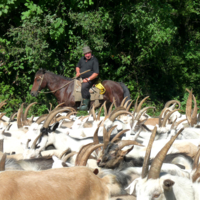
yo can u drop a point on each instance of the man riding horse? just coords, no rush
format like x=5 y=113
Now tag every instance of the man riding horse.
x=88 y=61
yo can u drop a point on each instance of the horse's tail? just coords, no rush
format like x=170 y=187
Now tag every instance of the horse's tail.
x=126 y=91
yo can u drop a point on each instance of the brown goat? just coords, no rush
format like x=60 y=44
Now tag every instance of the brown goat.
x=65 y=183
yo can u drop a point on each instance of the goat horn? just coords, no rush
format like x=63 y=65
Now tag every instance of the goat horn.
x=121 y=112
x=173 y=124
x=140 y=113
x=189 y=106
x=93 y=113
x=160 y=116
x=128 y=107
x=156 y=165
x=69 y=155
x=110 y=109
x=194 y=114
x=118 y=135
x=140 y=104
x=116 y=110
x=85 y=157
x=145 y=166
x=2 y=162
x=68 y=150
x=179 y=122
x=99 y=113
x=27 y=109
x=105 y=109
x=41 y=118
x=95 y=137
x=51 y=115
x=50 y=107
x=126 y=104
x=196 y=160
x=135 y=107
x=114 y=101
x=2 y=114
x=121 y=144
x=35 y=141
x=19 y=116
x=2 y=104
x=1 y=145
x=123 y=101
x=12 y=117
x=167 y=117
x=60 y=104
x=171 y=102
x=81 y=152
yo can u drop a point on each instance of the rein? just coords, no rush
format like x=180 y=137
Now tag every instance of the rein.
x=61 y=86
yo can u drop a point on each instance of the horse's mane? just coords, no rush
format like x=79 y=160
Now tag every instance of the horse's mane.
x=43 y=71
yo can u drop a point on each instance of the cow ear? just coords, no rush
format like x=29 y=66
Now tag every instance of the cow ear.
x=167 y=184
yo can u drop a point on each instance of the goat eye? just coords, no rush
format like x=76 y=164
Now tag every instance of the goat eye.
x=156 y=196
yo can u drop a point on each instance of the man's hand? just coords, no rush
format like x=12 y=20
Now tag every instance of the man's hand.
x=85 y=80
x=77 y=74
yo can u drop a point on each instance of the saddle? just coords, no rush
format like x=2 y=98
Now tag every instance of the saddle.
x=96 y=94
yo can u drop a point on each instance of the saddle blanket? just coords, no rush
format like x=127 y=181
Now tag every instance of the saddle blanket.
x=94 y=93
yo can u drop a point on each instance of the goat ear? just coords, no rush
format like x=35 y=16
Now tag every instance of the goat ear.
x=96 y=171
x=54 y=126
x=64 y=164
x=167 y=184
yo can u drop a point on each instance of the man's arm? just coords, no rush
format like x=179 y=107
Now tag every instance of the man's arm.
x=77 y=72
x=93 y=76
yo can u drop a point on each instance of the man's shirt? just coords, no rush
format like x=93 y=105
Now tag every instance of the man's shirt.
x=84 y=65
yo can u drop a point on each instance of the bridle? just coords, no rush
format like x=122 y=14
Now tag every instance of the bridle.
x=41 y=77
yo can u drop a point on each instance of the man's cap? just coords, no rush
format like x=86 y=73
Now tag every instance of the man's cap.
x=86 y=49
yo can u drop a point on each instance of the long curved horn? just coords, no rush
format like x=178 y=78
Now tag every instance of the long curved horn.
x=171 y=102
x=1 y=145
x=140 y=113
x=27 y=109
x=115 y=115
x=140 y=104
x=41 y=118
x=19 y=116
x=189 y=107
x=145 y=166
x=51 y=115
x=128 y=107
x=93 y=113
x=114 y=101
x=2 y=104
x=196 y=160
x=122 y=143
x=2 y=162
x=167 y=117
x=60 y=104
x=126 y=104
x=105 y=109
x=85 y=157
x=65 y=117
x=123 y=101
x=179 y=122
x=68 y=150
x=156 y=165
x=69 y=155
x=120 y=108
x=12 y=117
x=50 y=107
x=173 y=124
x=99 y=113
x=136 y=105
x=119 y=134
x=81 y=152
x=35 y=141
x=110 y=109
x=194 y=114
x=160 y=116
x=2 y=114
x=95 y=137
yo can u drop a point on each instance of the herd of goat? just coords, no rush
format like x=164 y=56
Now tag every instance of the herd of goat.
x=123 y=155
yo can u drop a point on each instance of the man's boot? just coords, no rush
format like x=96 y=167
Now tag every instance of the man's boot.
x=84 y=105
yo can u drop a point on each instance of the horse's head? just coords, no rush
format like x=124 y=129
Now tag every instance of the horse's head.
x=39 y=82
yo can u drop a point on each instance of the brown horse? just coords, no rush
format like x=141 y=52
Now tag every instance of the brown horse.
x=44 y=78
